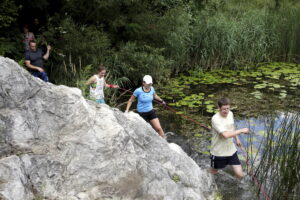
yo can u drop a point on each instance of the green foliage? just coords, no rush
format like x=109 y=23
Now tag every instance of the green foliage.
x=157 y=37
x=10 y=39
x=135 y=60
x=77 y=52
x=217 y=196
x=39 y=4
x=115 y=13
x=74 y=47
x=176 y=25
x=286 y=26
x=221 y=41
x=11 y=48
x=9 y=13
x=239 y=32
x=176 y=178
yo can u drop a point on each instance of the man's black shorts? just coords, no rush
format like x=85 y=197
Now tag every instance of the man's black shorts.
x=148 y=115
x=219 y=162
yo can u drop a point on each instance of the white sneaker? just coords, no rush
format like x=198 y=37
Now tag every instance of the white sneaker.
x=169 y=133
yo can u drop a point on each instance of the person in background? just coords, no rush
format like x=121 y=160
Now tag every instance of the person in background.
x=145 y=95
x=34 y=60
x=36 y=27
x=98 y=80
x=223 y=151
x=28 y=36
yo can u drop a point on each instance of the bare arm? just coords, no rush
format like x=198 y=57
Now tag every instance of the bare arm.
x=91 y=80
x=131 y=99
x=30 y=66
x=111 y=85
x=229 y=134
x=46 y=56
x=156 y=97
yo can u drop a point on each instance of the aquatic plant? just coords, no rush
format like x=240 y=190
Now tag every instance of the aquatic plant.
x=267 y=83
x=279 y=163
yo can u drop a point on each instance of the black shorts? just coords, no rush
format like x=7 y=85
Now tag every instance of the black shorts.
x=148 y=115
x=219 y=162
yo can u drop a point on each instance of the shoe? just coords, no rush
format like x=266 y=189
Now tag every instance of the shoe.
x=169 y=133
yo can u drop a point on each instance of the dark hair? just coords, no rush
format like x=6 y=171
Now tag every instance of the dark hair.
x=32 y=41
x=223 y=101
x=101 y=68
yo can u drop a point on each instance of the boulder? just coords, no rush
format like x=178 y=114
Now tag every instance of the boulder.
x=57 y=145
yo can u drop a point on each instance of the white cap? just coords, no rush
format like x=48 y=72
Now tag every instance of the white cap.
x=147 y=79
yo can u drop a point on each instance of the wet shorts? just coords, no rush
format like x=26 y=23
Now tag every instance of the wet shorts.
x=148 y=115
x=219 y=162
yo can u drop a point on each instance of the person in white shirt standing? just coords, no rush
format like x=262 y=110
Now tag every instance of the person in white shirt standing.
x=223 y=151
x=98 y=80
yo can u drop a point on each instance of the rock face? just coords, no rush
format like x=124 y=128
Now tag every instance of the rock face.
x=56 y=145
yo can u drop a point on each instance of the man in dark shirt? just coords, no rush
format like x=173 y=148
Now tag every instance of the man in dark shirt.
x=34 y=61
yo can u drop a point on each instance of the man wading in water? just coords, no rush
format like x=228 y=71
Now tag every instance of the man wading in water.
x=223 y=151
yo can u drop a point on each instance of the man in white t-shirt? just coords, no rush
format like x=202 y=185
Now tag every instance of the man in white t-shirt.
x=223 y=151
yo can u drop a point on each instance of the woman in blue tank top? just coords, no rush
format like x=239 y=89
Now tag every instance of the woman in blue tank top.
x=145 y=95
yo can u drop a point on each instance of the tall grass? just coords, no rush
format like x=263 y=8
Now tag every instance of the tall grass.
x=287 y=27
x=252 y=36
x=279 y=164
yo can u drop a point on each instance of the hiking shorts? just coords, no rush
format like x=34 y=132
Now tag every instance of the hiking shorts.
x=100 y=101
x=148 y=115
x=220 y=162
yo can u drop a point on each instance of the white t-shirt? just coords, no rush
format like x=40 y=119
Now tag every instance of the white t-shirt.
x=219 y=145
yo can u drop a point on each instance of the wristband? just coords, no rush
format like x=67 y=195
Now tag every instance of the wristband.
x=110 y=86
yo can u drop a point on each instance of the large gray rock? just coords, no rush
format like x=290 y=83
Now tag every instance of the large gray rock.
x=57 y=145
x=14 y=184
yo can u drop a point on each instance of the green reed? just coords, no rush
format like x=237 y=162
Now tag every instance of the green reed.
x=249 y=36
x=278 y=168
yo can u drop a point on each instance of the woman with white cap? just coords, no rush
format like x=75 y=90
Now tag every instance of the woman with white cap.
x=145 y=95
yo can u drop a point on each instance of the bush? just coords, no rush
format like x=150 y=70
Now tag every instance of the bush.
x=134 y=61
x=73 y=48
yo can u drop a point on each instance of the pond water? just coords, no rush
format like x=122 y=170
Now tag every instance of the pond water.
x=255 y=92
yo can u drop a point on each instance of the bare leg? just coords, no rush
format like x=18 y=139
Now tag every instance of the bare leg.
x=213 y=171
x=157 y=127
x=238 y=171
